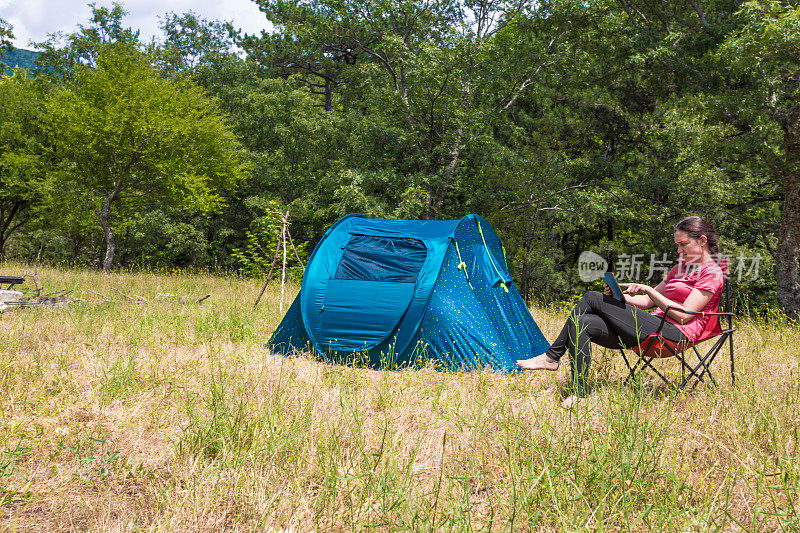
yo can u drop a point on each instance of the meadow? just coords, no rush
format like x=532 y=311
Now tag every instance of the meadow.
x=123 y=415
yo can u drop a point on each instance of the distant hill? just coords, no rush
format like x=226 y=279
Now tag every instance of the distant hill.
x=19 y=57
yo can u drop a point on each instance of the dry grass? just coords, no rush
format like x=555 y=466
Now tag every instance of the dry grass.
x=170 y=417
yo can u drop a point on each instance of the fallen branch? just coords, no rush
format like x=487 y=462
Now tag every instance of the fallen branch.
x=163 y=297
x=123 y=294
x=103 y=296
x=62 y=298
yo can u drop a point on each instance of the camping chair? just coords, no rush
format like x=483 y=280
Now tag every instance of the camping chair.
x=656 y=346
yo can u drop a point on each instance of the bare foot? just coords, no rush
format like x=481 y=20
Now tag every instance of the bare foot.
x=540 y=362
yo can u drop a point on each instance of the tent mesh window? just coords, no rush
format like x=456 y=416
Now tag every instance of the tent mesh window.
x=378 y=258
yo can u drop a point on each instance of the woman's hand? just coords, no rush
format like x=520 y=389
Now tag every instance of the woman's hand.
x=636 y=288
x=606 y=289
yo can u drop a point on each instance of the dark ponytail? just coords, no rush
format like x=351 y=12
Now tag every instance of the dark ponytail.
x=696 y=227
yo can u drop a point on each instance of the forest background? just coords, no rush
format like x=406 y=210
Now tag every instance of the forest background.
x=569 y=125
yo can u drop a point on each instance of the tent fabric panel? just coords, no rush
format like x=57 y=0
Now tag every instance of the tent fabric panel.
x=426 y=281
x=357 y=315
x=426 y=230
x=504 y=307
x=533 y=341
x=485 y=264
x=290 y=335
x=456 y=329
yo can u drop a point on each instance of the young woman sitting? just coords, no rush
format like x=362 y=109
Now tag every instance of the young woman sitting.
x=694 y=284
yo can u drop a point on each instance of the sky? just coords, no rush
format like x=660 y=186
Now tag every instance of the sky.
x=32 y=20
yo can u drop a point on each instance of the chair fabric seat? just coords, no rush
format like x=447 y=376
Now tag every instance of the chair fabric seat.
x=656 y=346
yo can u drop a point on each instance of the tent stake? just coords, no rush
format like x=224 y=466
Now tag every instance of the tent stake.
x=269 y=276
x=283 y=271
x=284 y=235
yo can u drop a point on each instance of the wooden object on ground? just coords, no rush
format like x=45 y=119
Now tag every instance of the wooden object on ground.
x=11 y=280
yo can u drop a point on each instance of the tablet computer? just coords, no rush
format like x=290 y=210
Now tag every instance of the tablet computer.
x=611 y=281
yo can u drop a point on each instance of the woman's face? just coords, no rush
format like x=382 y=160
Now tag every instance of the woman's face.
x=692 y=250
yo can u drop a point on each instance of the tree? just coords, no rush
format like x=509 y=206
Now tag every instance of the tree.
x=424 y=82
x=61 y=55
x=308 y=44
x=6 y=36
x=124 y=135
x=761 y=61
x=22 y=158
x=192 y=42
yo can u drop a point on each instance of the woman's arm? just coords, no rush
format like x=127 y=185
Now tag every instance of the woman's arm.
x=696 y=300
x=642 y=301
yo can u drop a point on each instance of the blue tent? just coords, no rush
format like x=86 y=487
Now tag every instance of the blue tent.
x=398 y=292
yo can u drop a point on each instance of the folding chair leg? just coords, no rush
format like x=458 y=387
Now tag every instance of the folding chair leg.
x=622 y=353
x=684 y=367
x=703 y=373
x=648 y=363
x=631 y=369
x=688 y=371
x=713 y=354
x=704 y=363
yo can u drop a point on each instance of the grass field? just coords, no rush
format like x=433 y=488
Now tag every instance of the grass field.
x=169 y=416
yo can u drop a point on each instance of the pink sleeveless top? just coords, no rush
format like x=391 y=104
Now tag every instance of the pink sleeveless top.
x=679 y=283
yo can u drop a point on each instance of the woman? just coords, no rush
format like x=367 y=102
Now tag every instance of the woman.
x=694 y=284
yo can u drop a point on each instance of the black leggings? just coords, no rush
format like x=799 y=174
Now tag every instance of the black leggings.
x=608 y=322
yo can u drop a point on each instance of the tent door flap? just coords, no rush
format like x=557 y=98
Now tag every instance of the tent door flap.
x=357 y=314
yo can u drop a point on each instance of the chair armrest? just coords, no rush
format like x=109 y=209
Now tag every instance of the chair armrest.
x=672 y=308
x=695 y=312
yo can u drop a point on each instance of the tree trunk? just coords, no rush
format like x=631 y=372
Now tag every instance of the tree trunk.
x=110 y=244
x=102 y=216
x=328 y=94
x=6 y=227
x=787 y=269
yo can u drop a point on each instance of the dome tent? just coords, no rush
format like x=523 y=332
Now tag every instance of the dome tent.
x=399 y=291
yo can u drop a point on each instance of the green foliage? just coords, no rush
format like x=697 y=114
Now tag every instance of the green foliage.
x=279 y=122
x=166 y=238
x=191 y=42
x=765 y=46
x=62 y=54
x=23 y=162
x=6 y=36
x=124 y=134
x=121 y=127
x=263 y=239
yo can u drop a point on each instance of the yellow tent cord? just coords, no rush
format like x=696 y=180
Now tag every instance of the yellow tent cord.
x=491 y=259
x=462 y=264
